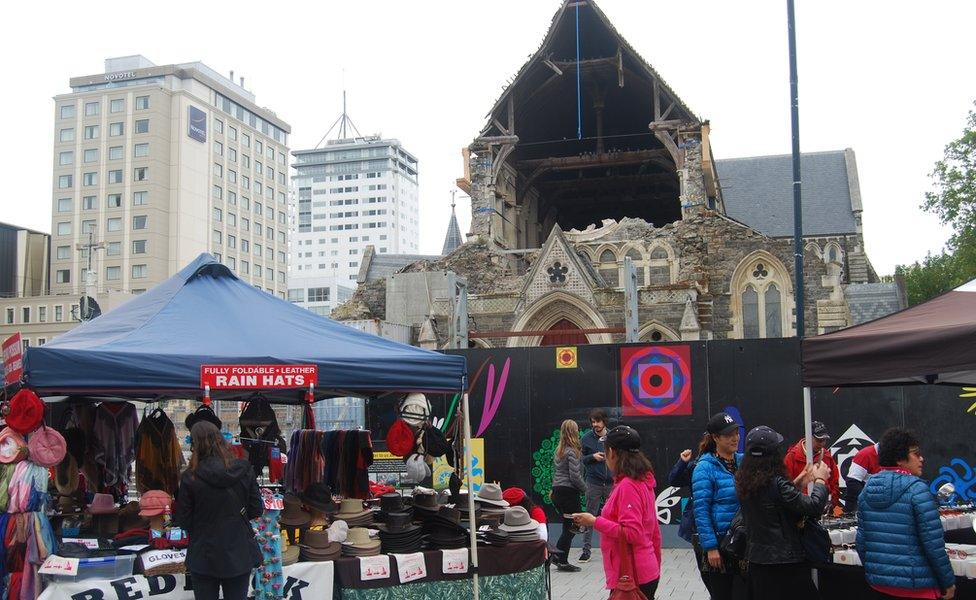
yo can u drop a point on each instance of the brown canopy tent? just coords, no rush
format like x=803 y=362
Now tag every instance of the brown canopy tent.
x=933 y=342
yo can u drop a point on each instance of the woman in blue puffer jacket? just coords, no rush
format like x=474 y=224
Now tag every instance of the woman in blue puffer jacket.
x=713 y=492
x=899 y=534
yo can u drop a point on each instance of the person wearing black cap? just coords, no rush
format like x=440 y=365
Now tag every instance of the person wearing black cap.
x=796 y=461
x=713 y=492
x=772 y=505
x=629 y=514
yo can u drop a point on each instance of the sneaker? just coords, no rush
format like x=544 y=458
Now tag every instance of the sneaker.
x=568 y=568
x=584 y=556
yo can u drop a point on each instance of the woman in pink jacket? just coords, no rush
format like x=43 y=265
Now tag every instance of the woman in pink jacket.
x=630 y=511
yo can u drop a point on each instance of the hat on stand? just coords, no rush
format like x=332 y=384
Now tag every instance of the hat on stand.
x=391 y=503
x=319 y=496
x=400 y=438
x=399 y=534
x=445 y=530
x=103 y=504
x=519 y=525
x=293 y=515
x=491 y=493
x=26 y=412
x=154 y=503
x=415 y=409
x=13 y=448
x=316 y=546
x=352 y=512
x=46 y=447
x=358 y=543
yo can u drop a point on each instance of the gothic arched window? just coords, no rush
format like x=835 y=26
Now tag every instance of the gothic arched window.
x=659 y=267
x=608 y=268
x=761 y=299
x=638 y=259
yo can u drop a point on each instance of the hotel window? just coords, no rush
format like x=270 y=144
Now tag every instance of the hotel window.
x=281 y=157
x=270 y=153
x=232 y=263
x=67 y=135
x=271 y=174
x=90 y=178
x=64 y=204
x=257 y=270
x=218 y=170
x=88 y=226
x=116 y=106
x=113 y=273
x=232 y=198
x=68 y=111
x=140 y=150
x=245 y=246
x=140 y=174
x=245 y=267
x=245 y=161
x=91 y=155
x=115 y=176
x=64 y=181
x=140 y=222
x=142 y=102
x=218 y=237
x=114 y=224
x=63 y=276
x=231 y=241
x=232 y=155
x=66 y=158
x=245 y=182
x=139 y=246
x=258 y=167
x=41 y=315
x=232 y=133
x=58 y=313
x=142 y=126
x=139 y=271
x=139 y=198
x=218 y=126
x=88 y=203
x=114 y=200
x=218 y=149
x=258 y=249
x=25 y=313
x=218 y=192
x=281 y=178
x=231 y=220
x=92 y=109
x=258 y=147
x=116 y=129
x=246 y=140
x=231 y=176
x=91 y=132
x=64 y=252
x=218 y=215
x=113 y=249
x=258 y=208
x=115 y=153
x=10 y=316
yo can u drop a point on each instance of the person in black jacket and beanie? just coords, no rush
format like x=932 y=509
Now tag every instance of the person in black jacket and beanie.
x=217 y=498
x=772 y=505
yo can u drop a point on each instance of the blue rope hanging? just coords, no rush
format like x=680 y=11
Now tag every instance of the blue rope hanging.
x=579 y=95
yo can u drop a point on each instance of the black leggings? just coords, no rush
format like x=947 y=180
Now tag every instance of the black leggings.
x=567 y=501
x=649 y=588
x=208 y=588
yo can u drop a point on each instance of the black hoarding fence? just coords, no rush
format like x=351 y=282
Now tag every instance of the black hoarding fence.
x=520 y=396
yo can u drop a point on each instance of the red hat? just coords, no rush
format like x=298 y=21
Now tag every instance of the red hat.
x=26 y=412
x=513 y=495
x=154 y=503
x=400 y=438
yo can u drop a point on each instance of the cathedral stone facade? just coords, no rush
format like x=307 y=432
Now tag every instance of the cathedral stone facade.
x=590 y=159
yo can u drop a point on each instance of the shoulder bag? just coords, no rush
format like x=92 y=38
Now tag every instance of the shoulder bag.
x=815 y=541
x=733 y=544
x=626 y=587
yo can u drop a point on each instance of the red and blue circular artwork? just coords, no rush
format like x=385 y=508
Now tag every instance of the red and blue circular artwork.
x=655 y=380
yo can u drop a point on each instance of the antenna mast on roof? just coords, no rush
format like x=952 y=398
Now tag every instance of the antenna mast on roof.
x=343 y=122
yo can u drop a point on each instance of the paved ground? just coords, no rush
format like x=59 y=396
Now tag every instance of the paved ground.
x=679 y=579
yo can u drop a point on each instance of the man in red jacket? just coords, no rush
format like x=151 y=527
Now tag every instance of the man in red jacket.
x=796 y=461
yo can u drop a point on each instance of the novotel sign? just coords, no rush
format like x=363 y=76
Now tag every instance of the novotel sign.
x=120 y=75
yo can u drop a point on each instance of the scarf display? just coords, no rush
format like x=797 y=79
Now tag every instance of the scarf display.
x=28 y=537
x=340 y=459
x=113 y=447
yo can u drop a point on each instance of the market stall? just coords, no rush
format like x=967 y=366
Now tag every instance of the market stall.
x=930 y=343
x=205 y=334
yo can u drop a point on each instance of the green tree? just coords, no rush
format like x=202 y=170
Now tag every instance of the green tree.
x=954 y=201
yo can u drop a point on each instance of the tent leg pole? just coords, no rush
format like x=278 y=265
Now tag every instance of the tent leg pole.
x=808 y=430
x=473 y=527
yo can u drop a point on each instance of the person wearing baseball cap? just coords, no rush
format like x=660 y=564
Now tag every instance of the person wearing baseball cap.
x=796 y=462
x=713 y=492
x=628 y=520
x=772 y=505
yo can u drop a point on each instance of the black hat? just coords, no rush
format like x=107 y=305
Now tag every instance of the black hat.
x=436 y=444
x=762 y=441
x=721 y=424
x=319 y=496
x=391 y=502
x=820 y=431
x=203 y=412
x=622 y=437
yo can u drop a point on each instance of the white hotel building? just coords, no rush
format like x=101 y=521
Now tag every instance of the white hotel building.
x=348 y=195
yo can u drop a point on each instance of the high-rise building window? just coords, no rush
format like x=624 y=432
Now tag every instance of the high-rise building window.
x=139 y=246
x=258 y=147
x=116 y=106
x=232 y=198
x=232 y=155
x=64 y=204
x=218 y=192
x=113 y=249
x=142 y=102
x=116 y=129
x=58 y=313
x=232 y=133
x=92 y=109
x=90 y=178
x=140 y=222
x=218 y=215
x=114 y=200
x=246 y=140
x=113 y=273
x=116 y=153
x=67 y=134
x=217 y=237
x=231 y=176
x=91 y=155
x=66 y=158
x=232 y=241
x=87 y=226
x=67 y=111
x=91 y=132
x=140 y=150
x=140 y=174
x=231 y=220
x=64 y=252
x=88 y=203
x=64 y=181
x=41 y=315
x=142 y=126
x=218 y=126
x=139 y=271
x=139 y=198
x=63 y=276
x=114 y=224
x=115 y=176
x=218 y=148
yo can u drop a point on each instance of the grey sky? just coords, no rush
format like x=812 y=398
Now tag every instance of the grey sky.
x=891 y=80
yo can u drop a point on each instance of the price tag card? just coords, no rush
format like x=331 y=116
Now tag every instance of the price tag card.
x=411 y=567
x=455 y=561
x=90 y=543
x=374 y=567
x=57 y=565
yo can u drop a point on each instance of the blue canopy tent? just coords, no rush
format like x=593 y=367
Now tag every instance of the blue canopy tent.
x=152 y=347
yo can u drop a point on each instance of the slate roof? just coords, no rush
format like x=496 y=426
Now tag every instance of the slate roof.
x=870 y=301
x=382 y=266
x=758 y=191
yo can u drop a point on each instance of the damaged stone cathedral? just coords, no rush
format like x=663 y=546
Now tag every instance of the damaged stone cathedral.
x=587 y=159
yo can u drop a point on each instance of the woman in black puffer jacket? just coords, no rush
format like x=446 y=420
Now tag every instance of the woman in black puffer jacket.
x=217 y=498
x=772 y=505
